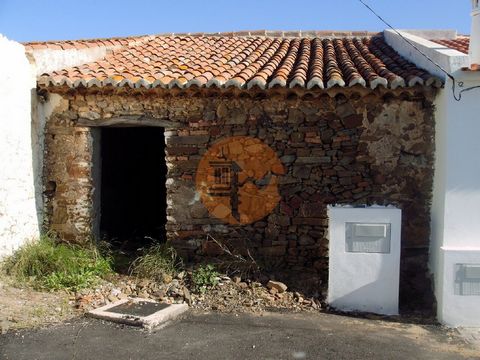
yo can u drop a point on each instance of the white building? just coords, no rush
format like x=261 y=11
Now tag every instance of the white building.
x=455 y=241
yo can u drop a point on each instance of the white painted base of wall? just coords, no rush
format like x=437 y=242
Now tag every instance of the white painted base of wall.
x=456 y=310
x=367 y=282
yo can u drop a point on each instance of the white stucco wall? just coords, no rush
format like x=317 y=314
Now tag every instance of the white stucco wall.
x=455 y=211
x=439 y=189
x=462 y=162
x=456 y=203
x=22 y=120
x=18 y=211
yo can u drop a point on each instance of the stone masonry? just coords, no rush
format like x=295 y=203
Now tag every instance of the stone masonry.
x=347 y=147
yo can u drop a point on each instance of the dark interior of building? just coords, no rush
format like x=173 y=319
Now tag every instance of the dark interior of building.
x=133 y=194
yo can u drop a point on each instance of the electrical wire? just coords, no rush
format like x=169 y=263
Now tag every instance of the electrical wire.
x=450 y=76
x=406 y=40
x=460 y=84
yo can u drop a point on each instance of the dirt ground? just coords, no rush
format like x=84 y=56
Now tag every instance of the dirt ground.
x=23 y=307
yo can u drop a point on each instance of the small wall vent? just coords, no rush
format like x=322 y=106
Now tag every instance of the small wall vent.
x=367 y=238
x=467 y=279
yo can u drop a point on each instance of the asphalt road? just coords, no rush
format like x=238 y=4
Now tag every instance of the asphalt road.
x=217 y=336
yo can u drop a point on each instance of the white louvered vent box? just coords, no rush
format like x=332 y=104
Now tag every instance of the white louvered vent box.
x=367 y=238
x=364 y=259
x=458 y=289
x=467 y=279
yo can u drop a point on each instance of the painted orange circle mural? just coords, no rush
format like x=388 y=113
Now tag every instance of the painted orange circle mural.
x=237 y=179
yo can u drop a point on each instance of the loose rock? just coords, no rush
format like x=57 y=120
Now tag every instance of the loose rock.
x=187 y=296
x=279 y=286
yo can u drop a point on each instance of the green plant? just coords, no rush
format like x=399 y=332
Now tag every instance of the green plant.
x=156 y=262
x=204 y=277
x=50 y=265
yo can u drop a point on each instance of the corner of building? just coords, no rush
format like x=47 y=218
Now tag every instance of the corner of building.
x=18 y=207
x=455 y=210
x=23 y=114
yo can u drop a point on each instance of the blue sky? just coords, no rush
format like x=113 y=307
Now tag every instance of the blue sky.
x=28 y=20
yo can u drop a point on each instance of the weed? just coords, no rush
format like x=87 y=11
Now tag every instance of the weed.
x=50 y=265
x=156 y=262
x=204 y=277
x=232 y=263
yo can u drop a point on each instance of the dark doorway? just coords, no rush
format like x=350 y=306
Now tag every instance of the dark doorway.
x=133 y=195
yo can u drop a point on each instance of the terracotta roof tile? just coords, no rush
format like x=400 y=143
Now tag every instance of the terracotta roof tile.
x=84 y=44
x=461 y=43
x=322 y=60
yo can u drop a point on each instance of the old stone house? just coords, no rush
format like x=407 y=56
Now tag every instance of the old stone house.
x=350 y=121
x=245 y=138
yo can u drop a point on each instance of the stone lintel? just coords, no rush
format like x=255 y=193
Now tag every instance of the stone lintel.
x=126 y=121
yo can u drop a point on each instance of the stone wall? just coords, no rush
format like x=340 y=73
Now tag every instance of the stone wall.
x=344 y=148
x=68 y=185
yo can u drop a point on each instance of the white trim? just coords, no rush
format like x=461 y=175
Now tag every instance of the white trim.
x=449 y=59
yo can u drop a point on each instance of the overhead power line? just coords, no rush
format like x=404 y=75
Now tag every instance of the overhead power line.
x=454 y=81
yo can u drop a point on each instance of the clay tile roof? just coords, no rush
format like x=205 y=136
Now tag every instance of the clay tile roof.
x=461 y=43
x=263 y=59
x=109 y=43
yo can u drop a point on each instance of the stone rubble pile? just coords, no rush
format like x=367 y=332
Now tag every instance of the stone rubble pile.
x=234 y=295
x=230 y=295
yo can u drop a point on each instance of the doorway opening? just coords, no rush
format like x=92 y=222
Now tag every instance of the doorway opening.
x=133 y=194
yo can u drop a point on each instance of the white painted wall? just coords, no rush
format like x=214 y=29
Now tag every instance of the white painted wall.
x=474 y=50
x=358 y=280
x=455 y=207
x=437 y=210
x=456 y=201
x=18 y=210
x=22 y=121
x=462 y=164
x=457 y=181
